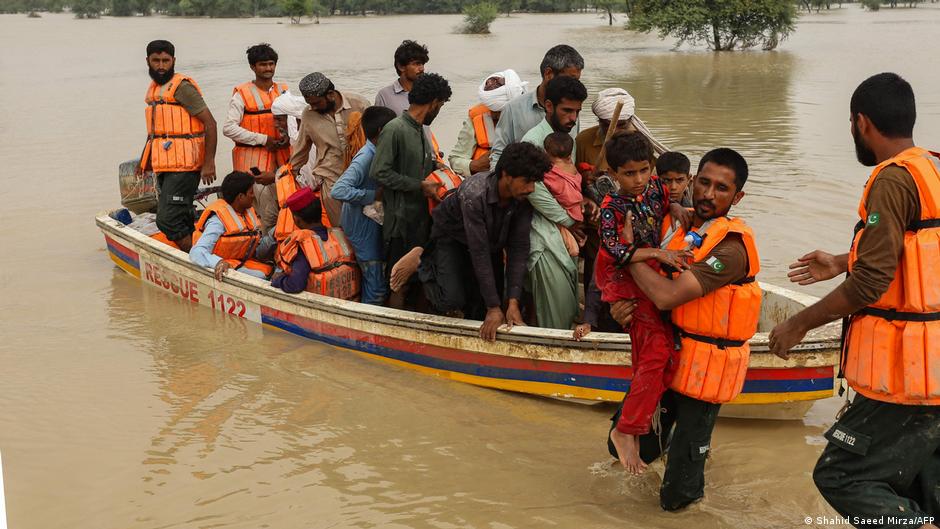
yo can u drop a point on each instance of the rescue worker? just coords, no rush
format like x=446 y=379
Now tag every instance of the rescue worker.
x=259 y=147
x=181 y=141
x=471 y=153
x=714 y=352
x=882 y=461
x=313 y=257
x=230 y=233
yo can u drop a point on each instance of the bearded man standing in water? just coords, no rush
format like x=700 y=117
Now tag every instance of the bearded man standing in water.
x=181 y=140
x=882 y=463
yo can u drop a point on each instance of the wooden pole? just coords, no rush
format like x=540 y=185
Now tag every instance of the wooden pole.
x=610 y=132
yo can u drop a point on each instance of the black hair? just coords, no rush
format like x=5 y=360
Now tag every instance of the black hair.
x=888 y=101
x=312 y=213
x=374 y=118
x=409 y=51
x=563 y=87
x=161 y=46
x=236 y=183
x=626 y=147
x=558 y=144
x=560 y=57
x=261 y=53
x=729 y=158
x=673 y=161
x=523 y=159
x=428 y=87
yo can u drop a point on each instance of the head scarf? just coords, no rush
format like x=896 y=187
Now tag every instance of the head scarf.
x=300 y=199
x=315 y=85
x=497 y=98
x=287 y=104
x=605 y=104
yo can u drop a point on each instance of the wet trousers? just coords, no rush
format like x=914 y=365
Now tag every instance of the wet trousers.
x=653 y=350
x=882 y=464
x=685 y=433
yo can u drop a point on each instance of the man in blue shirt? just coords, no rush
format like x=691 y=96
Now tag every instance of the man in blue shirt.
x=356 y=189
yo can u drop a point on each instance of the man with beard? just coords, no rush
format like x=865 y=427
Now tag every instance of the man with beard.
x=715 y=306
x=527 y=110
x=553 y=271
x=481 y=236
x=323 y=125
x=882 y=463
x=259 y=148
x=181 y=140
x=403 y=159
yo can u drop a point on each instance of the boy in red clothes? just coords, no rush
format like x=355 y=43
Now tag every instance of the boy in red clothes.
x=630 y=230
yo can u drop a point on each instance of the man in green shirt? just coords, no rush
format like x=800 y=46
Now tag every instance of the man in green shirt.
x=403 y=159
x=553 y=272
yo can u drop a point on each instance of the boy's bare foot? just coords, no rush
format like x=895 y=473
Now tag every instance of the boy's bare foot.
x=628 y=450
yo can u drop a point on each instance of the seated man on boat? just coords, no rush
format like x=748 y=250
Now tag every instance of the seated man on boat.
x=471 y=153
x=715 y=306
x=488 y=217
x=229 y=232
x=313 y=257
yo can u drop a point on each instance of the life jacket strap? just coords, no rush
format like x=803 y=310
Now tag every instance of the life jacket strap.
x=924 y=224
x=256 y=112
x=721 y=343
x=892 y=315
x=184 y=136
x=332 y=266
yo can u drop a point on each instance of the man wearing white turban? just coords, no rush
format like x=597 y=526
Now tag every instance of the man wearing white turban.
x=471 y=154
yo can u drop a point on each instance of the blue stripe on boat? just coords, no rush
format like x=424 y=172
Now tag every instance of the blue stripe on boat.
x=133 y=261
x=602 y=383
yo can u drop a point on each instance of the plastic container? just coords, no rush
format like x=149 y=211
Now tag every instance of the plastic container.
x=137 y=195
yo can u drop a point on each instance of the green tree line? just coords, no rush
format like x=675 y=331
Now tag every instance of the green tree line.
x=280 y=8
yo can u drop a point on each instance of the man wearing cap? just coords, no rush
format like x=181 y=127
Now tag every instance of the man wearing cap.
x=313 y=252
x=323 y=125
x=471 y=154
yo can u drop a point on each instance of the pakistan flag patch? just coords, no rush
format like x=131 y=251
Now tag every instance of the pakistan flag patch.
x=873 y=219
x=716 y=264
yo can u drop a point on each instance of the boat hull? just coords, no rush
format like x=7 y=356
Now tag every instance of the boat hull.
x=530 y=360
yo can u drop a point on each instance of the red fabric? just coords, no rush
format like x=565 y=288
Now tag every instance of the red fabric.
x=566 y=188
x=653 y=355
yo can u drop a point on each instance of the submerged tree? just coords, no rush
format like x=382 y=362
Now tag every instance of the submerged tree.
x=296 y=9
x=722 y=24
x=478 y=17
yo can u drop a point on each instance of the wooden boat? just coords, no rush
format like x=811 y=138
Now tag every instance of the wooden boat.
x=531 y=360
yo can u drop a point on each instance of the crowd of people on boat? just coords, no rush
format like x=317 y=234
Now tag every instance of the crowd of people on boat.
x=335 y=196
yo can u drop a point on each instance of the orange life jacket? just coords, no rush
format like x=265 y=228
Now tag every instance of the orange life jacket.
x=333 y=268
x=715 y=328
x=242 y=234
x=285 y=186
x=176 y=141
x=448 y=179
x=892 y=347
x=258 y=118
x=483 y=128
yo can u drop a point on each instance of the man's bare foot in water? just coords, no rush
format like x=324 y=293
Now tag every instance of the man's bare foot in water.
x=628 y=449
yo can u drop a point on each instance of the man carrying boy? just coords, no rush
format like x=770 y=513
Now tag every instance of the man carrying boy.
x=630 y=229
x=356 y=189
x=714 y=352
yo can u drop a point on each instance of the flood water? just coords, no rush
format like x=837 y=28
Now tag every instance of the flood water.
x=123 y=407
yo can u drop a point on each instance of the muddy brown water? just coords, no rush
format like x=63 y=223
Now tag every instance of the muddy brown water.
x=123 y=407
